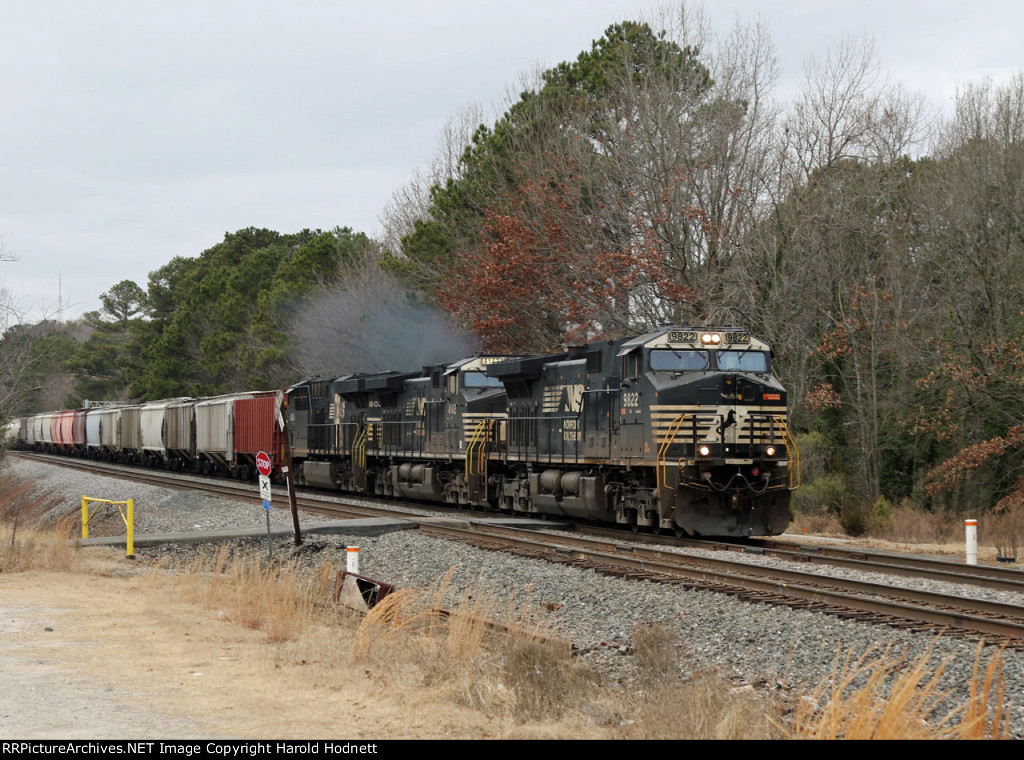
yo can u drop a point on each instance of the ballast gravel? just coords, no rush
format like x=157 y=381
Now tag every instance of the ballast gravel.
x=768 y=648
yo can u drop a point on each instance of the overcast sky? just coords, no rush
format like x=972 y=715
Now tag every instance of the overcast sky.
x=132 y=131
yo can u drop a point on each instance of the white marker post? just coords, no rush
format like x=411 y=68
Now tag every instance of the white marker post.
x=971 y=540
x=265 y=466
x=352 y=559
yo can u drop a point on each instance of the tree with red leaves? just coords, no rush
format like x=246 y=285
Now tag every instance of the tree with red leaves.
x=581 y=213
x=544 y=271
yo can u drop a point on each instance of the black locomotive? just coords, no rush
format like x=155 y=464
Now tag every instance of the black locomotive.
x=681 y=429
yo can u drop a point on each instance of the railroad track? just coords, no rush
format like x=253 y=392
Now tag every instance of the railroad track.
x=905 y=565
x=636 y=556
x=862 y=600
x=337 y=506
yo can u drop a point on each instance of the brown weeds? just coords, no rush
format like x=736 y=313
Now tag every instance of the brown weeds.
x=656 y=654
x=879 y=697
x=276 y=598
x=482 y=652
x=913 y=525
x=705 y=706
x=25 y=542
x=1005 y=531
x=37 y=548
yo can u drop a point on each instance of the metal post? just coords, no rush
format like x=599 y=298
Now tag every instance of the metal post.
x=286 y=456
x=971 y=531
x=270 y=550
x=290 y=480
x=131 y=529
x=85 y=517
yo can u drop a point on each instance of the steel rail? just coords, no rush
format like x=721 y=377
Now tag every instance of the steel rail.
x=955 y=613
x=881 y=557
x=909 y=566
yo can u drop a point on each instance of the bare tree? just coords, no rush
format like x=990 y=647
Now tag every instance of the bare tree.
x=833 y=117
x=411 y=201
x=697 y=159
x=834 y=257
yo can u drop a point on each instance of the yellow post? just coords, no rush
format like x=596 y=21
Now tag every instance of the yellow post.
x=128 y=520
x=131 y=529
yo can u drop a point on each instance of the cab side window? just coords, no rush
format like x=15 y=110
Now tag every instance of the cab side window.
x=631 y=365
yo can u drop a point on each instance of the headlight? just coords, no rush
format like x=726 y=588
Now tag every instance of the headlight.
x=704 y=451
x=770 y=451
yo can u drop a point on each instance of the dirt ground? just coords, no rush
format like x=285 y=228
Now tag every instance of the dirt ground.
x=112 y=652
x=109 y=655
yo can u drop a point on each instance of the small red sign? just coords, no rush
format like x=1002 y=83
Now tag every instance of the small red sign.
x=263 y=464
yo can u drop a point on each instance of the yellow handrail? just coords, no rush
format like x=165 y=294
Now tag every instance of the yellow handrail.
x=129 y=519
x=359 y=447
x=479 y=440
x=662 y=451
x=794 y=452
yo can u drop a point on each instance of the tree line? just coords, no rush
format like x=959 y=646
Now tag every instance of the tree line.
x=657 y=178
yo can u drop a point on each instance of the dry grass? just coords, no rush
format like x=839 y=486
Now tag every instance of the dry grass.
x=910 y=524
x=26 y=542
x=880 y=697
x=1004 y=531
x=818 y=524
x=656 y=653
x=704 y=706
x=277 y=598
x=50 y=548
x=521 y=674
x=482 y=653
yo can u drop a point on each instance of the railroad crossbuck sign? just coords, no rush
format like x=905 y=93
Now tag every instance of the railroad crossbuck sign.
x=264 y=466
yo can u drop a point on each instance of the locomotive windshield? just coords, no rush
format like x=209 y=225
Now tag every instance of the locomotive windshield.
x=744 y=361
x=479 y=380
x=669 y=360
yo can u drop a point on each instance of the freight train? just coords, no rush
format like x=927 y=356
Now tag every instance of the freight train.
x=681 y=429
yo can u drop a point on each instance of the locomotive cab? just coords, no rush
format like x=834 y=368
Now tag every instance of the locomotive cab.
x=718 y=436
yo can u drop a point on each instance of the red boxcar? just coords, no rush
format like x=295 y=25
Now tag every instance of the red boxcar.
x=255 y=430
